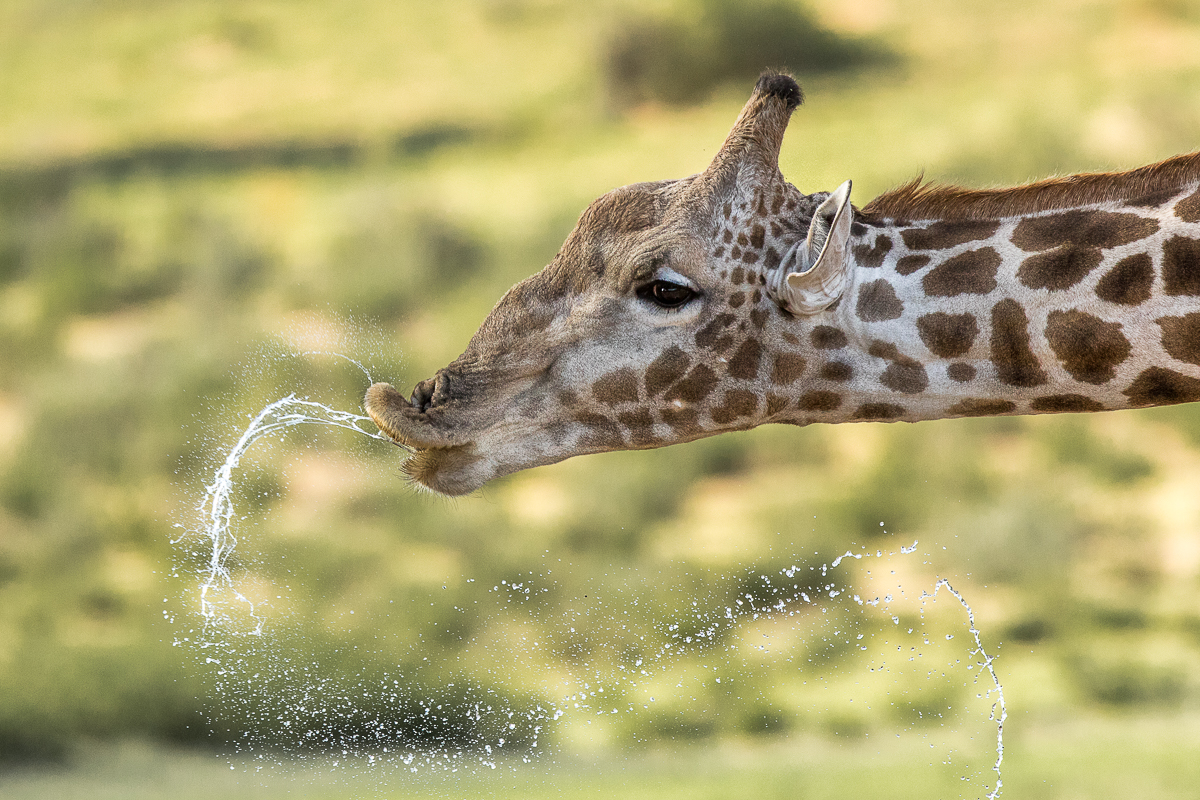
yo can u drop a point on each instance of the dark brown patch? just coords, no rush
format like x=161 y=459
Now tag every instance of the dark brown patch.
x=837 y=371
x=1088 y=347
x=738 y=276
x=694 y=387
x=787 y=369
x=757 y=297
x=948 y=233
x=948 y=335
x=602 y=433
x=727 y=237
x=620 y=386
x=791 y=338
x=737 y=299
x=903 y=374
x=681 y=420
x=707 y=336
x=737 y=404
x=824 y=337
x=1015 y=363
x=717 y=253
x=776 y=403
x=744 y=363
x=1188 y=209
x=877 y=302
x=1156 y=386
x=1181 y=266
x=872 y=257
x=1065 y=403
x=981 y=408
x=742 y=240
x=1181 y=337
x=750 y=257
x=1129 y=282
x=1088 y=229
x=771 y=259
x=757 y=235
x=758 y=318
x=878 y=411
x=963 y=373
x=1060 y=268
x=820 y=401
x=972 y=272
x=666 y=369
x=910 y=264
x=640 y=424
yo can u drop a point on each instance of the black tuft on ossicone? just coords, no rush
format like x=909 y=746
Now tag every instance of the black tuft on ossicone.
x=776 y=84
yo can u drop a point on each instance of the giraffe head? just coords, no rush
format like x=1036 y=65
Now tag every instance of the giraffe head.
x=656 y=323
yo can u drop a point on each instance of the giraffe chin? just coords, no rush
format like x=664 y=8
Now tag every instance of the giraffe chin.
x=452 y=471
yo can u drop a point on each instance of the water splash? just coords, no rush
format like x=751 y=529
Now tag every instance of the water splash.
x=217 y=511
x=684 y=633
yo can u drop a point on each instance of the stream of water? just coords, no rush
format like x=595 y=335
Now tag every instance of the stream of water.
x=225 y=639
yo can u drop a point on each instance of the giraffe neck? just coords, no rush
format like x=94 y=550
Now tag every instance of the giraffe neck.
x=1082 y=309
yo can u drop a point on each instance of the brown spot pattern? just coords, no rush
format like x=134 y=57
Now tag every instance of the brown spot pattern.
x=708 y=336
x=694 y=387
x=744 y=363
x=910 y=264
x=1157 y=386
x=1101 y=229
x=1181 y=266
x=824 y=337
x=972 y=272
x=775 y=404
x=602 y=431
x=665 y=370
x=1181 y=337
x=1065 y=403
x=640 y=424
x=737 y=404
x=1188 y=209
x=1129 y=282
x=820 y=401
x=963 y=373
x=878 y=411
x=787 y=369
x=872 y=256
x=1015 y=363
x=681 y=420
x=837 y=371
x=948 y=233
x=620 y=386
x=877 y=302
x=948 y=335
x=1060 y=268
x=903 y=374
x=1088 y=347
x=981 y=408
x=737 y=299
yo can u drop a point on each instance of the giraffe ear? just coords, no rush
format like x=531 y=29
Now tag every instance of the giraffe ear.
x=813 y=273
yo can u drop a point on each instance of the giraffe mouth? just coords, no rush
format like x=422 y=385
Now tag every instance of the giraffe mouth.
x=438 y=460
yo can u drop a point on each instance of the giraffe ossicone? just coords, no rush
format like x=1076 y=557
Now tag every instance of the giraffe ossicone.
x=682 y=309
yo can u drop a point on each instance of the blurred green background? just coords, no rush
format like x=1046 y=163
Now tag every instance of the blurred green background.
x=192 y=193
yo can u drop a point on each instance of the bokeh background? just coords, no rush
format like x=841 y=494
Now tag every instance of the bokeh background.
x=193 y=193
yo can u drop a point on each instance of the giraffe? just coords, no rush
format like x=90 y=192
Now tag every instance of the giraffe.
x=686 y=308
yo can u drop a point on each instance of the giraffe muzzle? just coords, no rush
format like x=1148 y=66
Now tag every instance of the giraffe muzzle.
x=416 y=424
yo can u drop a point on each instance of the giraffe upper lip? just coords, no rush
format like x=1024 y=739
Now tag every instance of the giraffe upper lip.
x=408 y=425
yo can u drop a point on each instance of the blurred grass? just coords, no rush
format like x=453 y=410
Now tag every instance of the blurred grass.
x=190 y=191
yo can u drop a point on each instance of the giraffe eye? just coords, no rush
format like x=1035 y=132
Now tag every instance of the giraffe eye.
x=666 y=294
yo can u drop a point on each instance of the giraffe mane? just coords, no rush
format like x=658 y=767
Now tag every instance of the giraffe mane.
x=919 y=200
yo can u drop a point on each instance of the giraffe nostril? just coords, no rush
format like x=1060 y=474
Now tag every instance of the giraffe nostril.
x=422 y=395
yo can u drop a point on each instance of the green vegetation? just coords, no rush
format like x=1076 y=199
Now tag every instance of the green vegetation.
x=194 y=195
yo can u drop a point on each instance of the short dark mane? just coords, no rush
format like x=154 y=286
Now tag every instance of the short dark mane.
x=920 y=201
